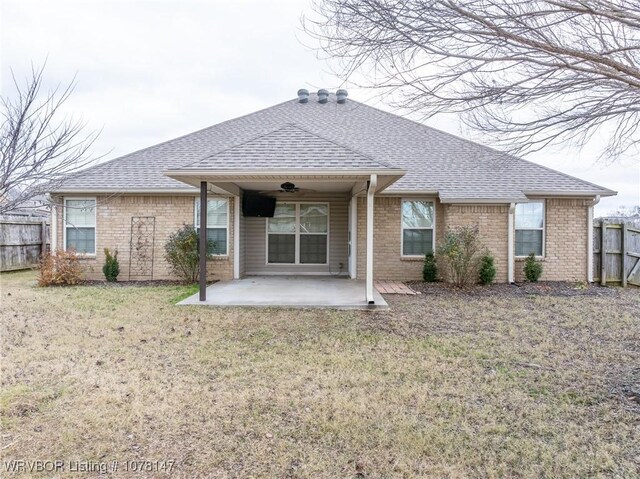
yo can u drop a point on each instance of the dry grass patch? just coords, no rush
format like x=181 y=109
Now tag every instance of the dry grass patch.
x=443 y=386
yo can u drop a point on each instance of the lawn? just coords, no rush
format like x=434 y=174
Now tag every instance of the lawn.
x=445 y=385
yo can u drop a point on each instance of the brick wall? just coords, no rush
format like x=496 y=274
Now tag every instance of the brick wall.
x=565 y=238
x=492 y=222
x=565 y=235
x=387 y=239
x=113 y=231
x=565 y=259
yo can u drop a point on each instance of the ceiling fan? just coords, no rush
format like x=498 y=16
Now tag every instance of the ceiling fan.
x=288 y=187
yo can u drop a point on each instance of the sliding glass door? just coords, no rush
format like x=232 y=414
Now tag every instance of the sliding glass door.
x=298 y=233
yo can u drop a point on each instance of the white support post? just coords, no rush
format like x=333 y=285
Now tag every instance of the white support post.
x=590 y=239
x=370 y=200
x=236 y=237
x=511 y=244
x=353 y=237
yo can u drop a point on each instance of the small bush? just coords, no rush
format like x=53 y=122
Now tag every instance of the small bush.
x=58 y=268
x=487 y=272
x=532 y=268
x=111 y=268
x=460 y=254
x=430 y=268
x=181 y=252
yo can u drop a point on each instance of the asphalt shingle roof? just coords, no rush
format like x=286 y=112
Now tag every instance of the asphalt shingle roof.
x=353 y=133
x=288 y=147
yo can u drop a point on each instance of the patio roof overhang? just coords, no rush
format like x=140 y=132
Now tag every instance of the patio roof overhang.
x=234 y=181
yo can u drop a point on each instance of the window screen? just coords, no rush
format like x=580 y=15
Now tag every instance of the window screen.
x=313 y=249
x=282 y=248
x=417 y=242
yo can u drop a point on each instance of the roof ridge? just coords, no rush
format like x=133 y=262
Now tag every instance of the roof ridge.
x=364 y=155
x=236 y=145
x=431 y=128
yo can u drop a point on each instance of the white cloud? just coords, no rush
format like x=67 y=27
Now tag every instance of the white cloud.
x=148 y=71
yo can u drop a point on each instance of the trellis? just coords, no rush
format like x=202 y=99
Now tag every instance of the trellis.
x=143 y=230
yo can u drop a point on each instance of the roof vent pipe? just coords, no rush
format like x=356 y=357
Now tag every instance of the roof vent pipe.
x=303 y=95
x=341 y=96
x=323 y=96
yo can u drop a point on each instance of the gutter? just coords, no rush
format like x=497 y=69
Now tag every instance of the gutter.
x=576 y=194
x=394 y=192
x=288 y=172
x=482 y=201
x=155 y=191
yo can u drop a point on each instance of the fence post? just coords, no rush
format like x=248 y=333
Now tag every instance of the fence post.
x=603 y=254
x=43 y=237
x=624 y=253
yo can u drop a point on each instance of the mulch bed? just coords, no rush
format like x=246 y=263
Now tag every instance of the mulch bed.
x=120 y=284
x=544 y=288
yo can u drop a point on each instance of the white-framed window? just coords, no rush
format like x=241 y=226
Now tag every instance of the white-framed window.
x=530 y=228
x=217 y=224
x=298 y=233
x=418 y=223
x=80 y=225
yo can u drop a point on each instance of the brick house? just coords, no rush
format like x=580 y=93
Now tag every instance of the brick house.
x=357 y=192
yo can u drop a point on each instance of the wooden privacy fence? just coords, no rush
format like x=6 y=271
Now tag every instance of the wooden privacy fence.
x=22 y=240
x=616 y=253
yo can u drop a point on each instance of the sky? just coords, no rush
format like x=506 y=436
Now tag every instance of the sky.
x=149 y=71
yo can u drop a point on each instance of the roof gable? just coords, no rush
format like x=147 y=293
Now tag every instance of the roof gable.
x=288 y=147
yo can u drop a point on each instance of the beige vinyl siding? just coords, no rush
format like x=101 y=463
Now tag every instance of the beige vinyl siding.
x=255 y=240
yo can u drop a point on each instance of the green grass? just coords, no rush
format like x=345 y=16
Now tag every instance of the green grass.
x=182 y=292
x=439 y=386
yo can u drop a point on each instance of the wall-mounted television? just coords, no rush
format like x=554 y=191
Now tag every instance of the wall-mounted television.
x=258 y=205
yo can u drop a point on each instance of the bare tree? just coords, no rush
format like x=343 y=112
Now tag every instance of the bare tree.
x=527 y=73
x=38 y=148
x=626 y=212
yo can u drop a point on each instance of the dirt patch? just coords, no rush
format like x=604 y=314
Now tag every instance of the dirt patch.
x=629 y=390
x=545 y=288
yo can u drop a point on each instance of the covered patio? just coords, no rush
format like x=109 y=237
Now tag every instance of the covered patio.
x=306 y=175
x=291 y=292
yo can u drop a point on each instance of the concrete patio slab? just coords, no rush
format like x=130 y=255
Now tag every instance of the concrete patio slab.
x=290 y=292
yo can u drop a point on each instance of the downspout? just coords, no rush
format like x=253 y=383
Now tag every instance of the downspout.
x=203 y=241
x=236 y=237
x=595 y=201
x=511 y=245
x=371 y=189
x=53 y=241
x=353 y=238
